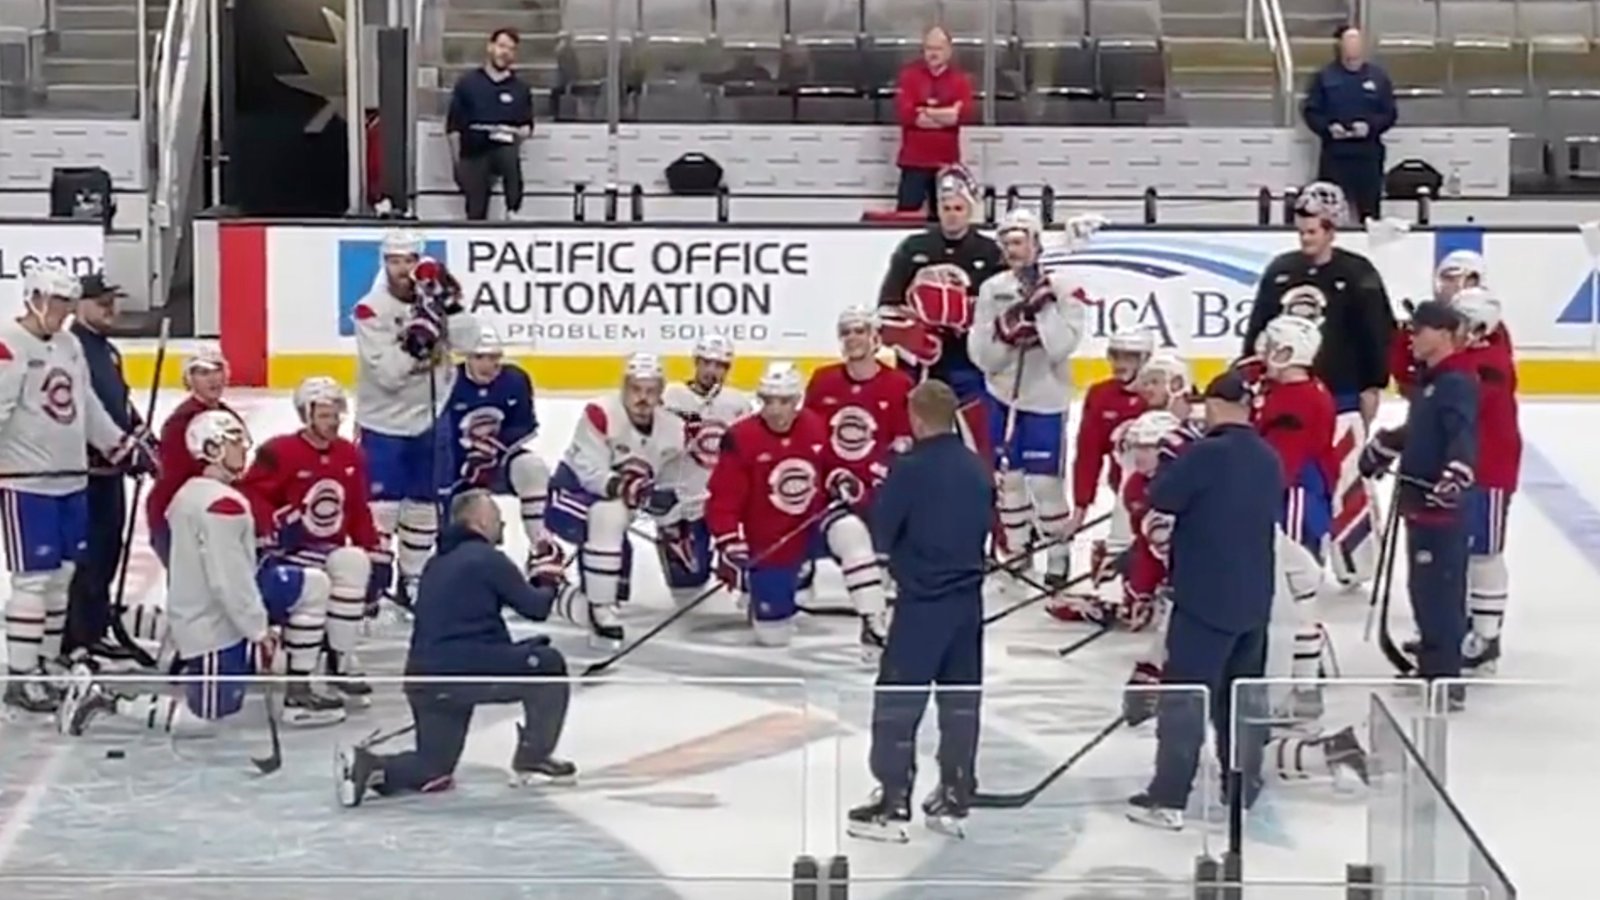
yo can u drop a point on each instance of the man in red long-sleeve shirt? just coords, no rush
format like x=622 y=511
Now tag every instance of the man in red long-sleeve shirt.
x=932 y=99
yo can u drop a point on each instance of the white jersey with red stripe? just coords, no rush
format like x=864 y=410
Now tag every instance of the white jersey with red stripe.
x=393 y=390
x=213 y=601
x=606 y=440
x=705 y=417
x=49 y=416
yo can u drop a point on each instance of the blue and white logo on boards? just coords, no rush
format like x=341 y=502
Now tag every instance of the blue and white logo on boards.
x=359 y=264
x=1187 y=290
x=1582 y=308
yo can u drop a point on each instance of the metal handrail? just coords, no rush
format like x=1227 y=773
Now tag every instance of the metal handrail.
x=1277 y=34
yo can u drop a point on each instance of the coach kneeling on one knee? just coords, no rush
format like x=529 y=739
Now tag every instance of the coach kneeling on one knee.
x=460 y=632
x=1219 y=502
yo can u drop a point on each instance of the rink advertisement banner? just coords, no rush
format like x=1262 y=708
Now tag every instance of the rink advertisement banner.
x=79 y=247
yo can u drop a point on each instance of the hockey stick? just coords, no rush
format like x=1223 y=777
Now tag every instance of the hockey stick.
x=1384 y=587
x=92 y=472
x=119 y=599
x=1043 y=590
x=600 y=666
x=274 y=759
x=981 y=800
x=1064 y=652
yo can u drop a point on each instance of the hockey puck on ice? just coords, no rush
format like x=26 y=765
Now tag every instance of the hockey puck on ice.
x=115 y=754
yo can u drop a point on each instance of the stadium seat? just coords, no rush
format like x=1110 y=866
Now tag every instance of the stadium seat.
x=1132 y=72
x=1221 y=81
x=1058 y=64
x=824 y=65
x=1404 y=40
x=1486 y=59
x=676 y=57
x=581 y=54
x=750 y=34
x=894 y=30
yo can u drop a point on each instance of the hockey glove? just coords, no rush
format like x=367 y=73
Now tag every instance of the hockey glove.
x=677 y=546
x=436 y=287
x=1106 y=563
x=911 y=338
x=659 y=501
x=1016 y=327
x=1137 y=611
x=1157 y=528
x=1140 y=698
x=1447 y=491
x=1378 y=455
x=484 y=456
x=631 y=484
x=421 y=336
x=938 y=296
x=845 y=487
x=288 y=527
x=733 y=562
x=546 y=564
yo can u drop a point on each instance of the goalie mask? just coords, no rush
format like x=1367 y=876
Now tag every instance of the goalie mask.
x=1479 y=311
x=1459 y=269
x=1323 y=200
x=1127 y=352
x=217 y=438
x=1290 y=341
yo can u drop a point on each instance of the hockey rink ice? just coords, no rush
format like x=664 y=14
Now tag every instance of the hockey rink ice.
x=707 y=764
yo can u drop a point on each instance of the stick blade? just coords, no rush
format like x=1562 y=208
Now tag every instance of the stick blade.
x=268 y=765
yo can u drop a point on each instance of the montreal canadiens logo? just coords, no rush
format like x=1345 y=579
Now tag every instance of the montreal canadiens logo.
x=793 y=484
x=480 y=424
x=853 y=433
x=705 y=441
x=58 y=402
x=324 y=509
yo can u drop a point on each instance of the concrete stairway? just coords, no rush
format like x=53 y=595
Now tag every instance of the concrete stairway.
x=91 y=66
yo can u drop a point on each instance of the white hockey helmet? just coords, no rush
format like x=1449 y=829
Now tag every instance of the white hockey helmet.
x=1458 y=266
x=1479 y=309
x=853 y=316
x=1290 y=341
x=314 y=390
x=1305 y=301
x=1151 y=428
x=50 y=279
x=1019 y=219
x=642 y=366
x=400 y=242
x=207 y=357
x=1324 y=200
x=487 y=343
x=210 y=431
x=714 y=347
x=780 y=379
x=1170 y=368
x=1139 y=340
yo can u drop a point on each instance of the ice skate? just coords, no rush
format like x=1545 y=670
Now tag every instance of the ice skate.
x=1346 y=758
x=83 y=700
x=946 y=811
x=1480 y=655
x=345 y=676
x=881 y=818
x=527 y=771
x=355 y=771
x=305 y=708
x=874 y=637
x=1143 y=810
x=605 y=627
x=30 y=696
x=109 y=656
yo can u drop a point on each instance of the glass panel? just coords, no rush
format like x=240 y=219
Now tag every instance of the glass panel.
x=1055 y=768
x=1311 y=815
x=1415 y=830
x=1512 y=752
x=72 y=61
x=684 y=779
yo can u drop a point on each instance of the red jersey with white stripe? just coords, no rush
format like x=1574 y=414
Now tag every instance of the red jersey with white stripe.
x=1106 y=406
x=1499 y=433
x=177 y=466
x=1146 y=571
x=1297 y=418
x=868 y=420
x=767 y=484
x=316 y=494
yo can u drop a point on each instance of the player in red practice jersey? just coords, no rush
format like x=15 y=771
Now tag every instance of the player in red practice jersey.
x=1297 y=415
x=1460 y=269
x=308 y=494
x=779 y=497
x=1147 y=440
x=1489 y=352
x=205 y=374
x=863 y=402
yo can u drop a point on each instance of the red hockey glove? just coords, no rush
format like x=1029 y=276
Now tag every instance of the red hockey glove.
x=421 y=336
x=911 y=338
x=436 y=286
x=546 y=564
x=677 y=544
x=1016 y=327
x=1137 y=611
x=938 y=296
x=1105 y=563
x=1457 y=479
x=845 y=487
x=631 y=484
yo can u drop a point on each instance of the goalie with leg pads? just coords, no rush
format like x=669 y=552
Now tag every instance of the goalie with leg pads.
x=627 y=456
x=1026 y=328
x=777 y=472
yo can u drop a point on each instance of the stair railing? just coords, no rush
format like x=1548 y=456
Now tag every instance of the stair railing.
x=181 y=77
x=1277 y=35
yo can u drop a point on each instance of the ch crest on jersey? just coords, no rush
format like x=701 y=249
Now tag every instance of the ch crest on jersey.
x=703 y=438
x=792 y=485
x=854 y=433
x=323 y=514
x=58 y=401
x=482 y=424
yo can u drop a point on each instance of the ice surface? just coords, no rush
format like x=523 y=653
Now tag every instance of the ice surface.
x=708 y=764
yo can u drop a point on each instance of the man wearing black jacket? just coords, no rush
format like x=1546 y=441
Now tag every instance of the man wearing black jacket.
x=490 y=115
x=89 y=595
x=460 y=631
x=1358 y=325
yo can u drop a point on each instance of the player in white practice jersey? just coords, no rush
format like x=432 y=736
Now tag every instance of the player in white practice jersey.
x=627 y=456
x=48 y=419
x=1024 y=332
x=406 y=328
x=707 y=407
x=221 y=606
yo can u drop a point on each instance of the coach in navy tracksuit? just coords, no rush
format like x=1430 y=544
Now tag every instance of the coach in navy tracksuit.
x=1438 y=450
x=1222 y=498
x=460 y=631
x=1349 y=105
x=89 y=596
x=931 y=517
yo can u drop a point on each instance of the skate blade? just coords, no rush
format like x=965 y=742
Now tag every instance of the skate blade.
x=539 y=779
x=604 y=644
x=313 y=718
x=882 y=832
x=1034 y=651
x=1149 y=820
x=949 y=826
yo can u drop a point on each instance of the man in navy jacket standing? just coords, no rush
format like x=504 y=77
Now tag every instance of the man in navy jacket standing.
x=460 y=632
x=1219 y=501
x=1349 y=105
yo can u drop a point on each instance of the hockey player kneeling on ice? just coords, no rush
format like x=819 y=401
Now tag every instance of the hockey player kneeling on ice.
x=627 y=456
x=1024 y=332
x=780 y=496
x=707 y=406
x=205 y=376
x=932 y=519
x=406 y=328
x=1220 y=500
x=460 y=633
x=221 y=606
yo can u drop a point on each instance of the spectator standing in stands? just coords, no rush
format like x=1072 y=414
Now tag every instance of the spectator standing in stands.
x=1349 y=105
x=491 y=114
x=932 y=99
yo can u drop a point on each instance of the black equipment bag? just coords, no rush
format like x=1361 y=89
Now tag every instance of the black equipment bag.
x=694 y=174
x=1407 y=179
x=82 y=193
